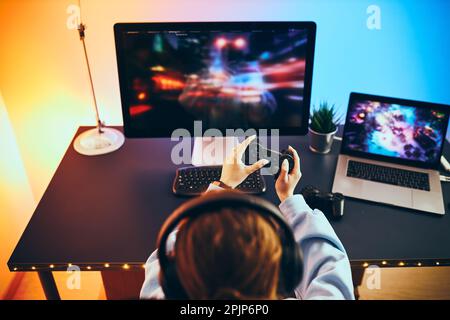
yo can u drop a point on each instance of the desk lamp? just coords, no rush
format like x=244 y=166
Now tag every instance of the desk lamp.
x=101 y=139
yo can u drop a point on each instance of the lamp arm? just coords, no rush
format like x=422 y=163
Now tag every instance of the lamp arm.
x=81 y=32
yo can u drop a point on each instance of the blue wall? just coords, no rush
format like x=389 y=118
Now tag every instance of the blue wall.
x=408 y=58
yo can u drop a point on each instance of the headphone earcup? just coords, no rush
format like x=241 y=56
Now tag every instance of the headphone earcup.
x=170 y=283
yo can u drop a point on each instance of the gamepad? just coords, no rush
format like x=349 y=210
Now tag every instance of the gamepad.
x=257 y=152
x=329 y=203
x=285 y=155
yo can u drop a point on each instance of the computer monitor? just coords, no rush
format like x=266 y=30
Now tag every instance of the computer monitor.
x=397 y=130
x=229 y=75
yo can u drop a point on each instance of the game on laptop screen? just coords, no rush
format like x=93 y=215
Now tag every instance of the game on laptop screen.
x=232 y=79
x=394 y=130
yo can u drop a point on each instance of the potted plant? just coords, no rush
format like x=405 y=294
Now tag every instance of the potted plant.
x=323 y=127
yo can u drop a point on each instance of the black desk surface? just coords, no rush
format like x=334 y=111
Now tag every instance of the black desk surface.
x=108 y=210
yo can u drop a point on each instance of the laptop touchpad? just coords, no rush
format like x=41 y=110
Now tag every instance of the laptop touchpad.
x=387 y=193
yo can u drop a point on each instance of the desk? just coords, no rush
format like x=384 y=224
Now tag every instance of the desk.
x=104 y=213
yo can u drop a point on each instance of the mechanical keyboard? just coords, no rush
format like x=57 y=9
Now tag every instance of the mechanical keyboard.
x=192 y=181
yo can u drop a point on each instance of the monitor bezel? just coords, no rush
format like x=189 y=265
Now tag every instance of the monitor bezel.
x=121 y=27
x=355 y=96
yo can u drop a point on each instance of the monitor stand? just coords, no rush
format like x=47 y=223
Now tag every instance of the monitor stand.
x=211 y=151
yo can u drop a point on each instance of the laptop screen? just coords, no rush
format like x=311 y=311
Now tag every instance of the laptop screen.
x=395 y=130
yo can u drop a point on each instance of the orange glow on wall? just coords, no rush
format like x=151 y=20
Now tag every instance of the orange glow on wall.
x=16 y=199
x=44 y=84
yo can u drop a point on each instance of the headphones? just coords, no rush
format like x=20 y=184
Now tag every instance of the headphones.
x=291 y=264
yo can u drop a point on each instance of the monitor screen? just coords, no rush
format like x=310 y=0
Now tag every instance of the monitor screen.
x=227 y=75
x=395 y=130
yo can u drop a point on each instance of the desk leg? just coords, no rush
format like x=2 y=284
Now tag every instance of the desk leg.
x=357 y=275
x=49 y=285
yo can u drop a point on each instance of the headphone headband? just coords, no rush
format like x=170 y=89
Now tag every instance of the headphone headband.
x=212 y=200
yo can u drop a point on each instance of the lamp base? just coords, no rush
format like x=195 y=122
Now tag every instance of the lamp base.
x=92 y=143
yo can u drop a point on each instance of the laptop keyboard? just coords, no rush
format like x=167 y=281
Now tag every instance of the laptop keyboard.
x=389 y=175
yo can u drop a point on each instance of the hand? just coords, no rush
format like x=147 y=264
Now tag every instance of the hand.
x=286 y=181
x=234 y=171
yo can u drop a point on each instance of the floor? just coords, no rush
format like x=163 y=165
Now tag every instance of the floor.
x=395 y=283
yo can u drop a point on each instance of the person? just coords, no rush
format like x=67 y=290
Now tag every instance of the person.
x=235 y=254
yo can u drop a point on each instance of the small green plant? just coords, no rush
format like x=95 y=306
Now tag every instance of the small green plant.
x=324 y=119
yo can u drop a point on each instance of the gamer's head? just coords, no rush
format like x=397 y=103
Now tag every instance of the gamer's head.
x=229 y=254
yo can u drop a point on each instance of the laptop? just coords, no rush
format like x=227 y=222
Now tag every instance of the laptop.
x=391 y=150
